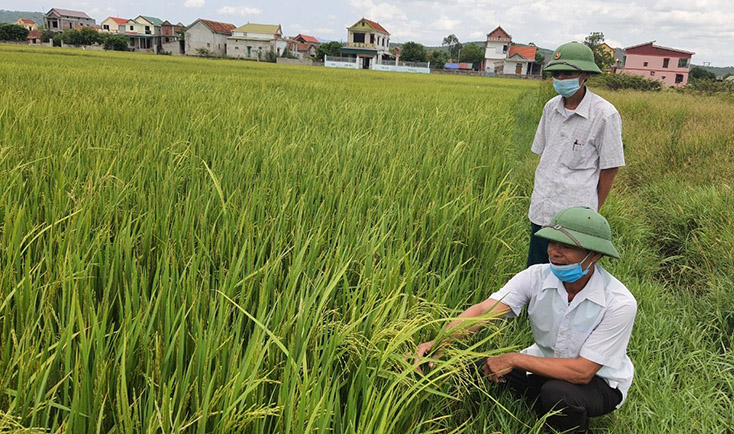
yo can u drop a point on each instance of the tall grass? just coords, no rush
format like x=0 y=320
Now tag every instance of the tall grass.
x=207 y=246
x=192 y=245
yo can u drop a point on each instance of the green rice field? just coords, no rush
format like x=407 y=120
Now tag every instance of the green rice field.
x=218 y=246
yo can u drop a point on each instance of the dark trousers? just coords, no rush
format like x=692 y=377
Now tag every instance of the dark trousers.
x=538 y=253
x=577 y=402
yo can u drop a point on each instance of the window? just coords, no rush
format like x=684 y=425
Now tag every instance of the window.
x=666 y=62
x=207 y=45
x=652 y=73
x=678 y=78
x=106 y=27
x=644 y=64
x=624 y=60
x=372 y=38
x=682 y=63
x=359 y=37
x=55 y=24
x=662 y=78
x=505 y=48
x=132 y=28
x=249 y=51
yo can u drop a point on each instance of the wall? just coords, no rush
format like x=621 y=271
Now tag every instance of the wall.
x=393 y=68
x=287 y=61
x=337 y=64
x=237 y=48
x=199 y=36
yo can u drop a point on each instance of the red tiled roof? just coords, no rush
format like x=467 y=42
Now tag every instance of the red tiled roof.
x=499 y=32
x=119 y=20
x=307 y=38
x=34 y=34
x=68 y=13
x=527 y=52
x=217 y=27
x=376 y=26
x=27 y=21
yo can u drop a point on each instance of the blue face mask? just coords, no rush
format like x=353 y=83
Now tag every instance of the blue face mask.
x=566 y=87
x=571 y=272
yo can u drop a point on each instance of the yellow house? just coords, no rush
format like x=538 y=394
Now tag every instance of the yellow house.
x=368 y=42
x=607 y=49
x=114 y=25
x=27 y=23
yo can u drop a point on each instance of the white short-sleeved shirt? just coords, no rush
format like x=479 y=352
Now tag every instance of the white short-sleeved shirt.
x=596 y=325
x=573 y=149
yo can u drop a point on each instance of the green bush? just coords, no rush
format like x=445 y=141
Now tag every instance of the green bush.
x=625 y=81
x=115 y=42
x=12 y=32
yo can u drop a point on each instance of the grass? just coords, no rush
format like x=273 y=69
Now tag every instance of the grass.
x=192 y=245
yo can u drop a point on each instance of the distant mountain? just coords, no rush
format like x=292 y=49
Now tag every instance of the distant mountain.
x=12 y=16
x=719 y=71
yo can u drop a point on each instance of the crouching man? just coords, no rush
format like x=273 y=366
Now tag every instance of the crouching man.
x=581 y=318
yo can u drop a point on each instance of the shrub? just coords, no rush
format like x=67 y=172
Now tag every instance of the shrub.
x=205 y=52
x=115 y=42
x=625 y=81
x=12 y=32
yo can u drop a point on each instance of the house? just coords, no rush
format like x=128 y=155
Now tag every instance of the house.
x=34 y=37
x=367 y=42
x=144 y=33
x=668 y=65
x=254 y=41
x=58 y=20
x=207 y=35
x=302 y=50
x=306 y=39
x=114 y=25
x=27 y=23
x=501 y=56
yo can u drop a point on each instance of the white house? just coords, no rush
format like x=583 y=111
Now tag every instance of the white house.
x=254 y=41
x=501 y=56
x=207 y=35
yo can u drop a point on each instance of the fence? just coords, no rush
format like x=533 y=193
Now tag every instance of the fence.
x=341 y=62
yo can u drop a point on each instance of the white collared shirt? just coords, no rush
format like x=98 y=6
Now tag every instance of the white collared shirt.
x=573 y=149
x=596 y=325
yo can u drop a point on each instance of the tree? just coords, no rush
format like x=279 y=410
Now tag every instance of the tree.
x=331 y=49
x=88 y=36
x=438 y=58
x=603 y=58
x=472 y=53
x=46 y=35
x=539 y=58
x=12 y=32
x=699 y=73
x=115 y=42
x=413 y=52
x=453 y=44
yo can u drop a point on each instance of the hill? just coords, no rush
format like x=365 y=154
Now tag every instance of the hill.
x=12 y=16
x=720 y=71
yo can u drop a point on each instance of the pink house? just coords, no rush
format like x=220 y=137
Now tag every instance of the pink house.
x=668 y=65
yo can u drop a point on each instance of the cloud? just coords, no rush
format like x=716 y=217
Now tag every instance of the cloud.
x=238 y=10
x=445 y=24
x=324 y=31
x=194 y=3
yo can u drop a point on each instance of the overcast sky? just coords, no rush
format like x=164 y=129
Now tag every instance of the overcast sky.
x=703 y=26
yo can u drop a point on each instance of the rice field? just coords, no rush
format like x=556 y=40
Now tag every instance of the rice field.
x=194 y=245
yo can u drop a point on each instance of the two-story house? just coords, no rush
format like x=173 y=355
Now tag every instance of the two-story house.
x=58 y=20
x=254 y=41
x=27 y=23
x=303 y=46
x=114 y=25
x=207 y=35
x=144 y=33
x=368 y=42
x=668 y=65
x=501 y=56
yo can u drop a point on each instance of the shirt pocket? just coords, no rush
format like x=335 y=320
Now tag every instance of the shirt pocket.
x=579 y=155
x=585 y=318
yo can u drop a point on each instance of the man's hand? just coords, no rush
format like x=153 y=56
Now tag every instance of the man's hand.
x=496 y=367
x=424 y=348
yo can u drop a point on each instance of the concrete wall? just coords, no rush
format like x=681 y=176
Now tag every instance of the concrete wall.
x=173 y=47
x=199 y=36
x=287 y=61
x=238 y=48
x=394 y=68
x=338 y=64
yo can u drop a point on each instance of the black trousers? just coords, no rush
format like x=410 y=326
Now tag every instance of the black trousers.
x=538 y=252
x=577 y=402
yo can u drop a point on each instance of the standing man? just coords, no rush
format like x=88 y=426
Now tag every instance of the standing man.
x=581 y=318
x=579 y=140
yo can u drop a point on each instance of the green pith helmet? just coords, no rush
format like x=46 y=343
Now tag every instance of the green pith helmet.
x=583 y=227
x=573 y=56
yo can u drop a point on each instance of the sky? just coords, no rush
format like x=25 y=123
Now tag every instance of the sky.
x=705 y=27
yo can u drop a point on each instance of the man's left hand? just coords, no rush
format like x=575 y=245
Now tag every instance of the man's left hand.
x=496 y=367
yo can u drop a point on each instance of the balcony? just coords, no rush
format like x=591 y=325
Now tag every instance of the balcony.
x=361 y=45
